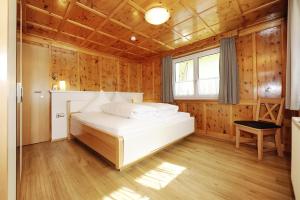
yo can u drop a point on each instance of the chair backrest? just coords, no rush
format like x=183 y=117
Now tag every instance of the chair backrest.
x=270 y=110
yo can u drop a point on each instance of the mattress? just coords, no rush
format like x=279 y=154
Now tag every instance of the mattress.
x=140 y=137
x=120 y=126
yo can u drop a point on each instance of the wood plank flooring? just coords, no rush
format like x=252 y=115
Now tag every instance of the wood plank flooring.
x=194 y=168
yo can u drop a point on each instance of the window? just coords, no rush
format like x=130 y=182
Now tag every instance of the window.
x=197 y=76
x=184 y=84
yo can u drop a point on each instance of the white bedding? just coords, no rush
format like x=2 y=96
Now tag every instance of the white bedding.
x=129 y=110
x=161 y=106
x=141 y=137
x=145 y=111
x=120 y=126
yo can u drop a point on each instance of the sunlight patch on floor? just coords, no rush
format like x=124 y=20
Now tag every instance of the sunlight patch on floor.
x=125 y=193
x=161 y=176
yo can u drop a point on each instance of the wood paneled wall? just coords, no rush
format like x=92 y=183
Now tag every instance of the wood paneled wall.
x=91 y=72
x=261 y=58
x=88 y=72
x=151 y=73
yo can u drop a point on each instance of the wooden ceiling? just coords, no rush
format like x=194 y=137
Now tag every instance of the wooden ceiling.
x=106 y=25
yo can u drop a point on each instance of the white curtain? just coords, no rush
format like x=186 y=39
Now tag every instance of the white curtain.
x=293 y=57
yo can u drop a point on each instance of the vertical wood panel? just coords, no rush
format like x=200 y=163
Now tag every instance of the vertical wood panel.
x=217 y=118
x=197 y=110
x=147 y=74
x=134 y=77
x=269 y=66
x=123 y=83
x=64 y=67
x=109 y=70
x=245 y=58
x=88 y=70
x=157 y=79
x=151 y=79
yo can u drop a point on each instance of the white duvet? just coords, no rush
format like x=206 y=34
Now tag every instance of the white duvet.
x=140 y=111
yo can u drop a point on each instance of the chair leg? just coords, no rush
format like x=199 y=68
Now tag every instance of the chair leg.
x=278 y=142
x=260 y=145
x=237 y=137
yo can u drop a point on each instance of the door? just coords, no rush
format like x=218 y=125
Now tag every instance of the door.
x=36 y=96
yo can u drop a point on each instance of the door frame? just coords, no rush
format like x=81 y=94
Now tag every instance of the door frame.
x=8 y=99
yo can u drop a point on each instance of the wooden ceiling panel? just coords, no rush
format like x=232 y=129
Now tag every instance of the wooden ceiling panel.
x=122 y=45
x=199 y=5
x=63 y=37
x=129 y=55
x=39 y=31
x=178 y=43
x=199 y=35
x=228 y=26
x=83 y=16
x=116 y=30
x=146 y=4
x=94 y=46
x=168 y=36
x=103 y=6
x=250 y=4
x=139 y=51
x=57 y=7
x=103 y=39
x=178 y=14
x=151 y=30
x=223 y=12
x=112 y=50
x=129 y=16
x=150 y=44
x=42 y=18
x=162 y=48
x=71 y=28
x=273 y=11
x=108 y=24
x=189 y=26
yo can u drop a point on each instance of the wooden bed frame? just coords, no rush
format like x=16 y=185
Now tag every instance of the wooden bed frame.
x=106 y=144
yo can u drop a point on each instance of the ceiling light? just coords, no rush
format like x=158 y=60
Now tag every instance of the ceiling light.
x=157 y=15
x=133 y=38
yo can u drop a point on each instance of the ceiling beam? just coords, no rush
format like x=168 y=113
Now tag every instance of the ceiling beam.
x=43 y=11
x=41 y=26
x=91 y=10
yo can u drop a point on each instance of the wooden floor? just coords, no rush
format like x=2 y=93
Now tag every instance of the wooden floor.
x=195 y=168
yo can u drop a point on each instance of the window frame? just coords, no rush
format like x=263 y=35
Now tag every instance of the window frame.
x=195 y=57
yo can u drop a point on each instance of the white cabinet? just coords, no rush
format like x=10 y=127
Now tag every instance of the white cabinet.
x=296 y=156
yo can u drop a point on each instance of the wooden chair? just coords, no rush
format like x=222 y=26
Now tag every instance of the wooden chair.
x=267 y=122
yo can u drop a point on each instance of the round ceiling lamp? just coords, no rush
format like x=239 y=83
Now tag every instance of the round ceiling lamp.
x=157 y=15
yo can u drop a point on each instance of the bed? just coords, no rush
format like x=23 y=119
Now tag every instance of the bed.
x=124 y=141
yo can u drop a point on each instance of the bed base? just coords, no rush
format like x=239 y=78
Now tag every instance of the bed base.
x=107 y=145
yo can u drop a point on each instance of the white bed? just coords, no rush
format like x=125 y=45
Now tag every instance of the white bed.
x=124 y=141
x=140 y=137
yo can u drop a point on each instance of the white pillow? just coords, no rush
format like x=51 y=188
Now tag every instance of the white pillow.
x=118 y=98
x=95 y=104
x=162 y=106
x=128 y=110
